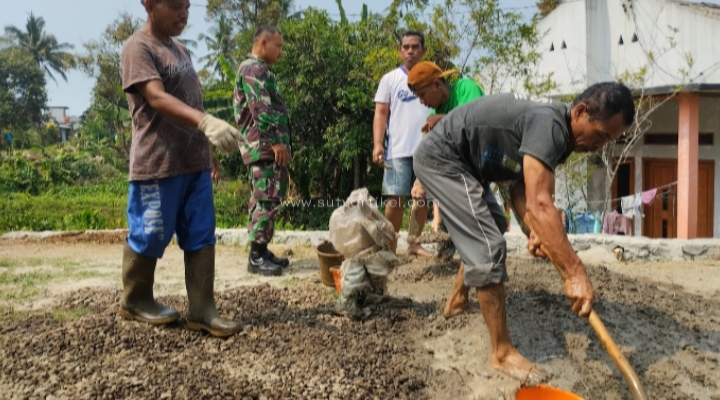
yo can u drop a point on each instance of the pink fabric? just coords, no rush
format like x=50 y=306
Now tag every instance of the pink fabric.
x=648 y=196
x=614 y=223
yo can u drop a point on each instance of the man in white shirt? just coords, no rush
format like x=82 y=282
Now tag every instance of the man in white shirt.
x=399 y=117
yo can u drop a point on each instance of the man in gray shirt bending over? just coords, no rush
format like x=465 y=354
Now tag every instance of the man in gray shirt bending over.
x=509 y=137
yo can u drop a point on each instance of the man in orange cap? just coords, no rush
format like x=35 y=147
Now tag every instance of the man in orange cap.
x=427 y=81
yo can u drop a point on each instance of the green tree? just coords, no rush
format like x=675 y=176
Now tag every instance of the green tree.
x=101 y=61
x=498 y=45
x=44 y=48
x=545 y=7
x=22 y=91
x=328 y=75
x=220 y=42
x=249 y=14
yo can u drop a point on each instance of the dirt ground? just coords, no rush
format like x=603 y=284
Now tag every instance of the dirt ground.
x=61 y=335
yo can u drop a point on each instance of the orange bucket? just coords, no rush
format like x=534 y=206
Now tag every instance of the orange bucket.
x=337 y=277
x=545 y=392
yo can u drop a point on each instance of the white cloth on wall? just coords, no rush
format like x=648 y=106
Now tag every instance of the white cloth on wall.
x=632 y=205
x=638 y=205
x=628 y=205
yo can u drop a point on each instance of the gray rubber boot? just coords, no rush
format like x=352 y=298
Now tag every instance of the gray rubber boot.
x=200 y=283
x=138 y=303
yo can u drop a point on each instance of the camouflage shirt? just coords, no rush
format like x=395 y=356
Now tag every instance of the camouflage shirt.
x=260 y=111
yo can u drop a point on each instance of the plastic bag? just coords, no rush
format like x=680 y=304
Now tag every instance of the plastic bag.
x=358 y=225
x=367 y=272
x=364 y=237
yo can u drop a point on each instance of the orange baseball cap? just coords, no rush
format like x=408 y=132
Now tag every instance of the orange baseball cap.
x=425 y=73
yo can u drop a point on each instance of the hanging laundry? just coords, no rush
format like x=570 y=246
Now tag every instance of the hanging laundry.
x=648 y=196
x=597 y=228
x=584 y=223
x=637 y=206
x=628 y=205
x=569 y=226
x=615 y=223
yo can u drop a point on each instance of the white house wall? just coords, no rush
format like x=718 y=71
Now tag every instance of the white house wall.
x=567 y=67
x=591 y=30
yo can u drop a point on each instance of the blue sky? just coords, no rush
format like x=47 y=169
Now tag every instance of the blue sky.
x=76 y=21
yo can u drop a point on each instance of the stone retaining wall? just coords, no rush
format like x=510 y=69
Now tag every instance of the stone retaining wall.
x=635 y=248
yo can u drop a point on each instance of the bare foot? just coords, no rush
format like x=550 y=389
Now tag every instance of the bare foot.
x=518 y=367
x=417 y=250
x=457 y=304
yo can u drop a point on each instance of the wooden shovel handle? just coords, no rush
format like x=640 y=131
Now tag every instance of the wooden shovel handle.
x=628 y=373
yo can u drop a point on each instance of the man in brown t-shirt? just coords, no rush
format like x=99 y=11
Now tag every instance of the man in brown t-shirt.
x=170 y=171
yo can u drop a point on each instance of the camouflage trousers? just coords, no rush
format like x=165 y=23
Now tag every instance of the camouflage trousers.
x=269 y=185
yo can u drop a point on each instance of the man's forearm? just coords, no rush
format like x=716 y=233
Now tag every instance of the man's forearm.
x=545 y=222
x=379 y=125
x=175 y=110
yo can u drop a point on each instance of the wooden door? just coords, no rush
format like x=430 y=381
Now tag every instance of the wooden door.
x=661 y=217
x=706 y=181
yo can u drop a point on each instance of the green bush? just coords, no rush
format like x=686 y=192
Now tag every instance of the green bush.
x=231 y=204
x=66 y=207
x=28 y=173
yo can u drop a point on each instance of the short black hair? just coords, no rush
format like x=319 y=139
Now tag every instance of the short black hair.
x=606 y=99
x=414 y=33
x=264 y=30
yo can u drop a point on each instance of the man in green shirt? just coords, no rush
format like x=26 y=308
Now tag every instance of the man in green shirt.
x=427 y=81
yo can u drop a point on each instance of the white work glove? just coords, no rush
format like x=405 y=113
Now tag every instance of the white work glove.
x=221 y=134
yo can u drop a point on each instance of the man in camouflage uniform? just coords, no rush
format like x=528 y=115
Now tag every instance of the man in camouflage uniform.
x=261 y=115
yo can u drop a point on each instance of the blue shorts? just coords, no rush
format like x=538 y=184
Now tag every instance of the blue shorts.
x=399 y=180
x=181 y=205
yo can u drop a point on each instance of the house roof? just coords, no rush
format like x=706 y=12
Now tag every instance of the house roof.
x=709 y=9
x=705 y=88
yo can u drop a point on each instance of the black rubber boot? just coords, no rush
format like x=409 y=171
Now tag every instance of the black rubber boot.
x=259 y=261
x=281 y=261
x=138 y=303
x=200 y=283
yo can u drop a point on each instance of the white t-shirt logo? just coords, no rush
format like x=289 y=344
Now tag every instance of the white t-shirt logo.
x=406 y=96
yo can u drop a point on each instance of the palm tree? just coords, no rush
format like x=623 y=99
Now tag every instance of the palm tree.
x=45 y=49
x=220 y=42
